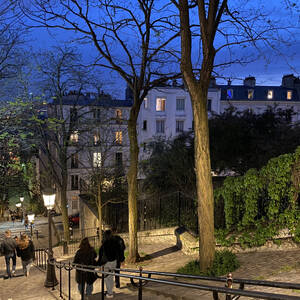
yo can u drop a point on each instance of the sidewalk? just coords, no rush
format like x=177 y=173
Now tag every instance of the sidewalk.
x=273 y=265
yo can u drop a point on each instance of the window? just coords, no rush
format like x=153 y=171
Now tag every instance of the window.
x=96 y=138
x=145 y=125
x=289 y=95
x=119 y=158
x=180 y=104
x=74 y=182
x=73 y=114
x=97 y=113
x=75 y=204
x=270 y=94
x=208 y=104
x=119 y=137
x=97 y=159
x=74 y=161
x=146 y=103
x=160 y=126
x=229 y=93
x=179 y=125
x=118 y=116
x=250 y=94
x=74 y=137
x=160 y=104
x=144 y=147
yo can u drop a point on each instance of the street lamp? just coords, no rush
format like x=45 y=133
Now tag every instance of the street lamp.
x=31 y=220
x=49 y=201
x=22 y=199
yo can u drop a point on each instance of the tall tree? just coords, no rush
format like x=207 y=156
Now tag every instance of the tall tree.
x=220 y=25
x=60 y=73
x=132 y=38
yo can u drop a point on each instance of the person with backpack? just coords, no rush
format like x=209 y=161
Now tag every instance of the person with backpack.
x=120 y=257
x=8 y=248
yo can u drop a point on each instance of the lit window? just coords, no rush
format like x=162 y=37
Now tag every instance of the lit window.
x=96 y=138
x=97 y=159
x=118 y=115
x=179 y=126
x=250 y=94
x=208 y=104
x=74 y=137
x=179 y=104
x=270 y=94
x=119 y=137
x=146 y=103
x=229 y=94
x=160 y=126
x=145 y=125
x=74 y=161
x=74 y=182
x=289 y=95
x=160 y=104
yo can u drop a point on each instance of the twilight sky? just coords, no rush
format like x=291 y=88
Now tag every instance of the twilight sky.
x=266 y=72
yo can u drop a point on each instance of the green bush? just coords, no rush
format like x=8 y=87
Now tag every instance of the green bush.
x=224 y=262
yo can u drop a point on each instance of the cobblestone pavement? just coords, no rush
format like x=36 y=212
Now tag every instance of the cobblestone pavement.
x=272 y=265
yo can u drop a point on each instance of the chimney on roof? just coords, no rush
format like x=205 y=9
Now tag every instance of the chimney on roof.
x=288 y=81
x=212 y=82
x=250 y=81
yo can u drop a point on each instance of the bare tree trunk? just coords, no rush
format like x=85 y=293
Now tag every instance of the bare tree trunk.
x=99 y=207
x=132 y=191
x=204 y=184
x=64 y=212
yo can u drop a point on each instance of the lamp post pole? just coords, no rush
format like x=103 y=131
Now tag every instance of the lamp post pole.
x=51 y=281
x=23 y=217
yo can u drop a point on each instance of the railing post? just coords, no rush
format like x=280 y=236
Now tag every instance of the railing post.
x=141 y=285
x=60 y=280
x=69 y=279
x=229 y=285
x=82 y=286
x=102 y=285
x=215 y=295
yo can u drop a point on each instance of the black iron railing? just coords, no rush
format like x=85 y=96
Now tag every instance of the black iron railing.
x=41 y=257
x=143 y=277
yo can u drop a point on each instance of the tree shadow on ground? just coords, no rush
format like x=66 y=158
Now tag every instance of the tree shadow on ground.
x=159 y=253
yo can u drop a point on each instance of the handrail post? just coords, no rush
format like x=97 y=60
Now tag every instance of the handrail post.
x=229 y=282
x=141 y=285
x=102 y=284
x=69 y=279
x=60 y=280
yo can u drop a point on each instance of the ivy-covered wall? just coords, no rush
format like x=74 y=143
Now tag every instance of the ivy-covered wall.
x=261 y=202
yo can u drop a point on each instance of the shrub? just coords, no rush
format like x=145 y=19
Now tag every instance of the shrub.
x=224 y=262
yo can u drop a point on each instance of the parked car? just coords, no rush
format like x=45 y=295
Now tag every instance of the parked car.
x=74 y=220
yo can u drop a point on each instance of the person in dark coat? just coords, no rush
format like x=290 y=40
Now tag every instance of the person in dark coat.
x=86 y=255
x=108 y=254
x=25 y=250
x=8 y=248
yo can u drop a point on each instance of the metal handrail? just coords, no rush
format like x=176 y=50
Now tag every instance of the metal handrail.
x=214 y=289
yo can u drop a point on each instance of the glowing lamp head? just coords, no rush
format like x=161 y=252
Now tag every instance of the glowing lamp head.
x=49 y=198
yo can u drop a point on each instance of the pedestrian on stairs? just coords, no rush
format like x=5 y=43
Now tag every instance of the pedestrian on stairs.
x=8 y=248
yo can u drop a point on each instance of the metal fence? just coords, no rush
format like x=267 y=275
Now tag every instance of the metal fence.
x=140 y=278
x=154 y=212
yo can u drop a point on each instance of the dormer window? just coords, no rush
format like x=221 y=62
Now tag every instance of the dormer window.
x=289 y=95
x=229 y=93
x=270 y=94
x=250 y=94
x=146 y=103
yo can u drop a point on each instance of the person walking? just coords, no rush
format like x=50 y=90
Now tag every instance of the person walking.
x=86 y=255
x=25 y=250
x=8 y=248
x=108 y=254
x=120 y=256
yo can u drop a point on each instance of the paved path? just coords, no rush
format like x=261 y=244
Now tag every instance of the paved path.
x=273 y=265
